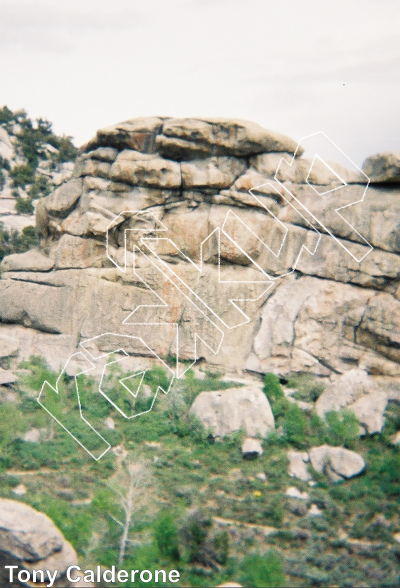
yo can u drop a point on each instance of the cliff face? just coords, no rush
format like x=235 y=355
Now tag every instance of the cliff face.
x=232 y=246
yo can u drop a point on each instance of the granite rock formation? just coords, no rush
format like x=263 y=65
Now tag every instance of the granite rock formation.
x=338 y=310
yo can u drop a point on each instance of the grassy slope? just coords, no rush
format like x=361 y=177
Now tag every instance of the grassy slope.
x=350 y=544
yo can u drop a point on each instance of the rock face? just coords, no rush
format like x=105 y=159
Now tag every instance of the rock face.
x=220 y=193
x=383 y=167
x=29 y=540
x=226 y=411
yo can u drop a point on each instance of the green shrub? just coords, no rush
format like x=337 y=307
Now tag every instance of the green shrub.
x=40 y=372
x=308 y=388
x=277 y=399
x=11 y=425
x=6 y=115
x=272 y=388
x=22 y=175
x=66 y=149
x=221 y=547
x=343 y=428
x=317 y=430
x=16 y=242
x=24 y=205
x=4 y=163
x=263 y=571
x=27 y=239
x=166 y=535
x=274 y=511
x=194 y=538
x=74 y=522
x=145 y=557
x=384 y=471
x=40 y=187
x=295 y=426
x=34 y=136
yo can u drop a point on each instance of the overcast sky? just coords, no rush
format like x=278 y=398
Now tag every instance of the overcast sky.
x=294 y=66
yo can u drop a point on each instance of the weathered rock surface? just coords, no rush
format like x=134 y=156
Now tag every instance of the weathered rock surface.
x=366 y=396
x=30 y=540
x=340 y=309
x=225 y=411
x=337 y=463
x=62 y=200
x=32 y=260
x=298 y=465
x=383 y=167
x=195 y=137
x=7 y=377
x=251 y=448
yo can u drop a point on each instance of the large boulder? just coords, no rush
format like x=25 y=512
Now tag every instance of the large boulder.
x=251 y=448
x=337 y=463
x=383 y=167
x=181 y=138
x=7 y=377
x=344 y=391
x=365 y=395
x=9 y=346
x=32 y=260
x=224 y=412
x=298 y=465
x=30 y=540
x=62 y=200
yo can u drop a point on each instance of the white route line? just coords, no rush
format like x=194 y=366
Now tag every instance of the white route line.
x=337 y=210
x=56 y=391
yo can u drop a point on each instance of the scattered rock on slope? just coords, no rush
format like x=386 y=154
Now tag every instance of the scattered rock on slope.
x=336 y=462
x=251 y=448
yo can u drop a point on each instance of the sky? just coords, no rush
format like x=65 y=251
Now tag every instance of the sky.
x=293 y=66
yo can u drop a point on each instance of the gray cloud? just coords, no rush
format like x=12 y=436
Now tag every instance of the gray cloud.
x=295 y=67
x=56 y=26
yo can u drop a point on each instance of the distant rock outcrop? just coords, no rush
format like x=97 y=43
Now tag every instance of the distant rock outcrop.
x=192 y=179
x=33 y=161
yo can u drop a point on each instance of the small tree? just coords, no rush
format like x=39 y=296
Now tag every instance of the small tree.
x=166 y=535
x=200 y=543
x=129 y=487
